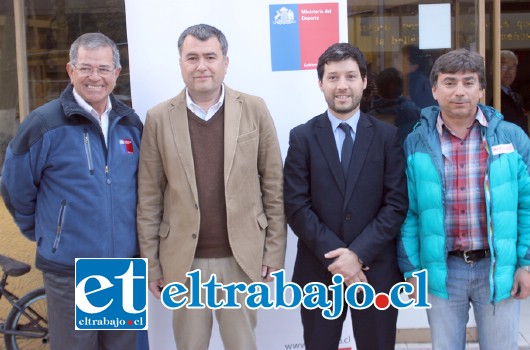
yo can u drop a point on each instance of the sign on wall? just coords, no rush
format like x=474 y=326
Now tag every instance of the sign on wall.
x=292 y=96
x=300 y=33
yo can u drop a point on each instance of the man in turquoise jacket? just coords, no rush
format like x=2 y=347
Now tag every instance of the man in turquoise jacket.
x=468 y=223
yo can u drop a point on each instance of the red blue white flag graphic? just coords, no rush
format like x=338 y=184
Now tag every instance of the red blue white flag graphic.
x=126 y=146
x=300 y=33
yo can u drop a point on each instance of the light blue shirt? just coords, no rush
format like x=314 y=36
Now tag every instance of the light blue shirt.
x=338 y=133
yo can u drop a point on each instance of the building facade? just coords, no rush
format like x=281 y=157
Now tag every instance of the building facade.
x=35 y=36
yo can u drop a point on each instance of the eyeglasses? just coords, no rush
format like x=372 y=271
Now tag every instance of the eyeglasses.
x=505 y=69
x=102 y=71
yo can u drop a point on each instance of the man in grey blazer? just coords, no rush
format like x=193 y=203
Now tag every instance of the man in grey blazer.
x=210 y=190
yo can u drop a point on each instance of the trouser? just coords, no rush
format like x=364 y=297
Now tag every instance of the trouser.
x=60 y=296
x=193 y=327
x=468 y=284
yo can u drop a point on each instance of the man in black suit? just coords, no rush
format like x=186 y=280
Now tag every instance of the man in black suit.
x=512 y=106
x=345 y=199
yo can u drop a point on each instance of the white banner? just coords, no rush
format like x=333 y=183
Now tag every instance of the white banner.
x=293 y=97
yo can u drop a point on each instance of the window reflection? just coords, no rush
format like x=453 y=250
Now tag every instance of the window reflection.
x=388 y=34
x=8 y=78
x=51 y=27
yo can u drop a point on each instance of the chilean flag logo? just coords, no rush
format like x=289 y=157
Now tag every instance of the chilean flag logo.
x=127 y=146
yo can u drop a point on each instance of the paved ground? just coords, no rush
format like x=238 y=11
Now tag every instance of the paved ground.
x=14 y=245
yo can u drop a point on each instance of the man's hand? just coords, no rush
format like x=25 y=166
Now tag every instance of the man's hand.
x=346 y=263
x=414 y=282
x=266 y=273
x=156 y=287
x=360 y=277
x=521 y=284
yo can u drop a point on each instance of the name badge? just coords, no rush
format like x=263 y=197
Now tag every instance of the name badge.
x=500 y=149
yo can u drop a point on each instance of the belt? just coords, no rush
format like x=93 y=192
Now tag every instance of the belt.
x=471 y=256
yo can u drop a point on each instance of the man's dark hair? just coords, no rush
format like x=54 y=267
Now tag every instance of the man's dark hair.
x=204 y=32
x=413 y=53
x=390 y=83
x=460 y=60
x=340 y=52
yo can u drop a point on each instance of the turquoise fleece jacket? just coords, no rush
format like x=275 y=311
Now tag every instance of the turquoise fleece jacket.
x=422 y=243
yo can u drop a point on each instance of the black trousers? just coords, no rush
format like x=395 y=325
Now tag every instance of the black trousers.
x=372 y=329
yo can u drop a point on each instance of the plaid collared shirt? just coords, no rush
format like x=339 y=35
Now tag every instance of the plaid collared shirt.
x=465 y=170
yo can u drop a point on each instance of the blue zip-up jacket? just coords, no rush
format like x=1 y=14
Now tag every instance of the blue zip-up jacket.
x=67 y=190
x=422 y=243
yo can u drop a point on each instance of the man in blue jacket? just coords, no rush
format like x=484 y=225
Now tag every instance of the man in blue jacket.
x=468 y=221
x=69 y=180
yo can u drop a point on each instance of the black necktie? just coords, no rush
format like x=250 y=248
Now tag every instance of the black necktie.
x=347 y=148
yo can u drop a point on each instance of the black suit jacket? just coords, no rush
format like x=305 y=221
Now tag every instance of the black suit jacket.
x=364 y=213
x=513 y=111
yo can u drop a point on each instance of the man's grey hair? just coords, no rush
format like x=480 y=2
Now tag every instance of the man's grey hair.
x=507 y=54
x=204 y=32
x=94 y=41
